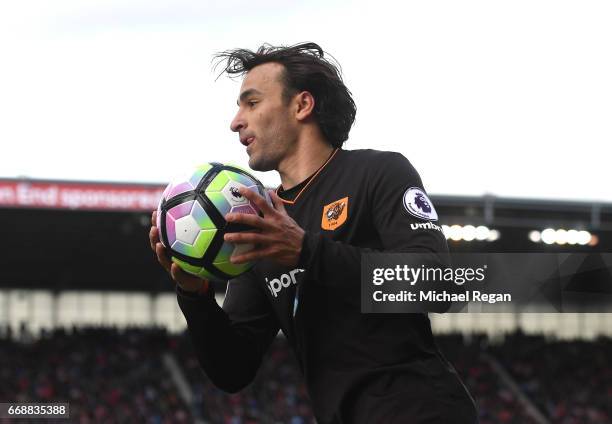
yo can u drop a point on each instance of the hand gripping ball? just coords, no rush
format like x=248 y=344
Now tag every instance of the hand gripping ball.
x=191 y=220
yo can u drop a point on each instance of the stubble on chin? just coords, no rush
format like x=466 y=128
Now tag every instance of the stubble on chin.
x=261 y=164
x=257 y=164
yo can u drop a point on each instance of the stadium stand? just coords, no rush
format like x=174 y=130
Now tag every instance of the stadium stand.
x=107 y=376
x=570 y=381
x=118 y=376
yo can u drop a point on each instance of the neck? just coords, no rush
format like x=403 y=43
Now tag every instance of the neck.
x=308 y=156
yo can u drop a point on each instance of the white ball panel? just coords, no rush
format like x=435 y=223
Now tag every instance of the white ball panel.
x=187 y=229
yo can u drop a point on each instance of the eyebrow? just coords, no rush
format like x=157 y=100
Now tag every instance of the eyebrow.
x=247 y=93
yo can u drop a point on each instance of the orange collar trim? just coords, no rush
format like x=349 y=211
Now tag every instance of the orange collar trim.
x=291 y=202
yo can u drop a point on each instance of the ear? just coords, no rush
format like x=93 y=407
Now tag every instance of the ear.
x=304 y=105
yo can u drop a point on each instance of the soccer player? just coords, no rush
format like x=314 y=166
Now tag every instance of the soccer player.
x=294 y=114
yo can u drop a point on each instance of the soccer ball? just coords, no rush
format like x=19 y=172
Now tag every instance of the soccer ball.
x=191 y=220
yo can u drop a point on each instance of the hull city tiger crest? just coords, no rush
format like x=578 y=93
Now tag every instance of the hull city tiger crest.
x=334 y=214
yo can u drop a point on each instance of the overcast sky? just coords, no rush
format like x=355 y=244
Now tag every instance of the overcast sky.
x=508 y=98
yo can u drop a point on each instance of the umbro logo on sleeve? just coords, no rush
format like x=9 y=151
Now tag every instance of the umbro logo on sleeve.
x=425 y=226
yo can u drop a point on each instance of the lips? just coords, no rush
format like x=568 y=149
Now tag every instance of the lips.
x=247 y=140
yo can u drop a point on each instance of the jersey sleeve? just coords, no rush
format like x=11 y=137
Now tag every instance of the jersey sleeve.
x=392 y=189
x=403 y=215
x=230 y=341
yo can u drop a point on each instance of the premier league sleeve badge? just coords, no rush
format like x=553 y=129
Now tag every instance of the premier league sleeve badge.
x=418 y=204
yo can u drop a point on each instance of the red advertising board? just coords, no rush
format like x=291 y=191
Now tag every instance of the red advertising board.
x=78 y=195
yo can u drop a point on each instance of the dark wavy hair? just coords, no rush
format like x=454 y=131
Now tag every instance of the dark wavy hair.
x=305 y=69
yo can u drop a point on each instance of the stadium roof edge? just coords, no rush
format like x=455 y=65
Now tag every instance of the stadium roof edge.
x=448 y=199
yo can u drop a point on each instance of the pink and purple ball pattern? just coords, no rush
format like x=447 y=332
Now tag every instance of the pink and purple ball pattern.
x=183 y=185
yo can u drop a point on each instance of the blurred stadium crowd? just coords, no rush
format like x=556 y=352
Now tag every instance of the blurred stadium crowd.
x=109 y=375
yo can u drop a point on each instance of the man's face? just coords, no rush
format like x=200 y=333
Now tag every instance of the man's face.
x=263 y=121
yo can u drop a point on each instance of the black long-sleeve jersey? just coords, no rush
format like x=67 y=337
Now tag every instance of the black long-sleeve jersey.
x=358 y=368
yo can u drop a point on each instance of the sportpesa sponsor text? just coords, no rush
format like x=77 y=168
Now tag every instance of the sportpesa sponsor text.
x=275 y=285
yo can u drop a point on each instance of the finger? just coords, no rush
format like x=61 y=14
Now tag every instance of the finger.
x=246 y=238
x=162 y=258
x=279 y=205
x=251 y=256
x=185 y=280
x=154 y=219
x=248 y=219
x=258 y=200
x=153 y=237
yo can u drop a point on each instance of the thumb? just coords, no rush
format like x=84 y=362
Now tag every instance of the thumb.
x=277 y=201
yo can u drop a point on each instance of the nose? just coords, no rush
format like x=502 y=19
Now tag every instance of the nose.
x=238 y=123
